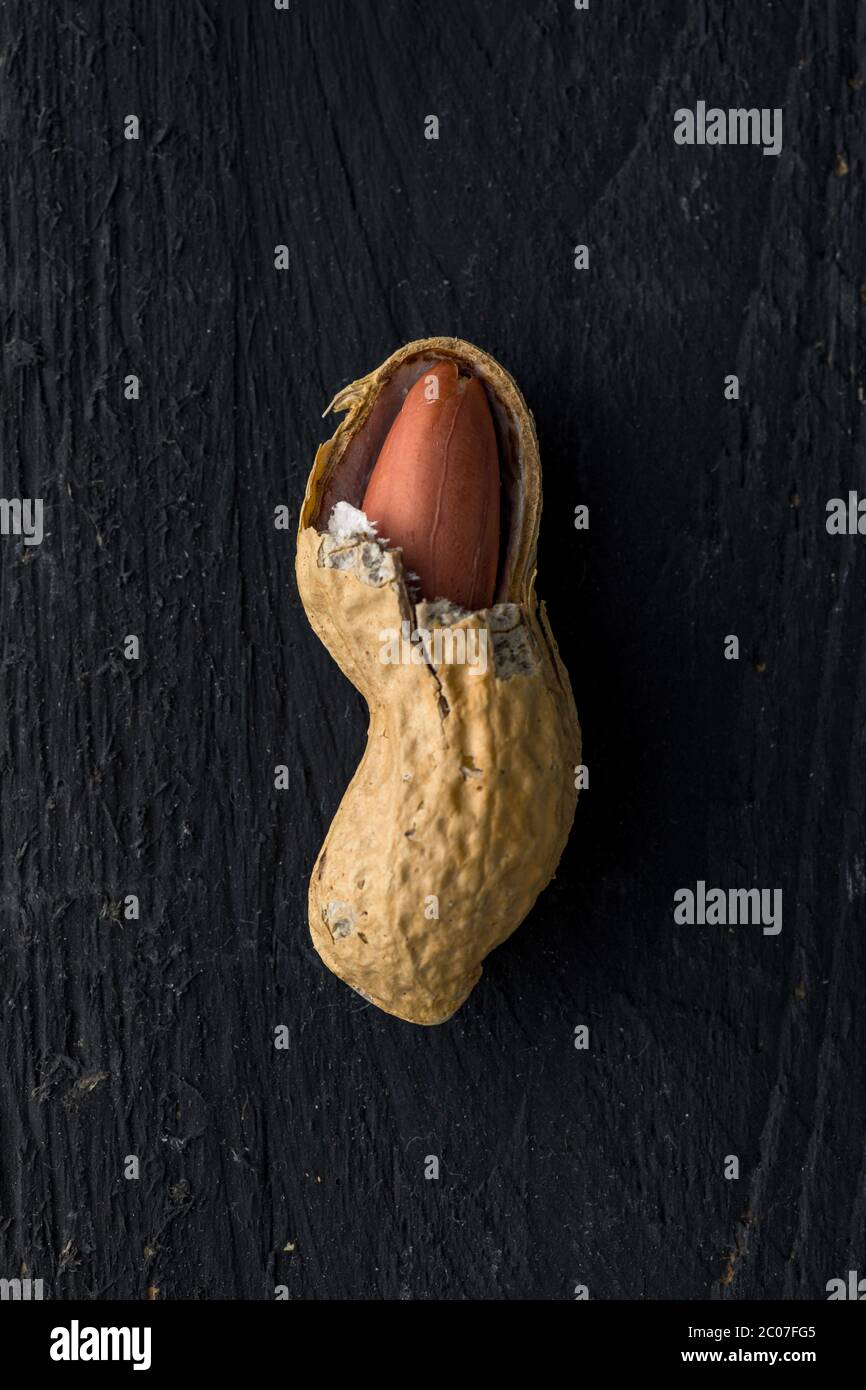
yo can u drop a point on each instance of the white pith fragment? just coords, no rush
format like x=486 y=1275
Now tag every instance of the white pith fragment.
x=513 y=650
x=351 y=544
x=350 y=523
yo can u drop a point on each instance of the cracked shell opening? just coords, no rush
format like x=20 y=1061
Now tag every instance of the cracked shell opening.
x=356 y=451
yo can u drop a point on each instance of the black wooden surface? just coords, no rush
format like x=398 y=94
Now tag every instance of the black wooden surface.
x=305 y=1167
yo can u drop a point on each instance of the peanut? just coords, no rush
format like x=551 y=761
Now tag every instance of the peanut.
x=434 y=489
x=460 y=808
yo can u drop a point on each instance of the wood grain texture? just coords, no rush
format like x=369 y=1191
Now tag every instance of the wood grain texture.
x=155 y=1038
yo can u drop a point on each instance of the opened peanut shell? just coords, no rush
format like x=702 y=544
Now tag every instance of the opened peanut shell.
x=459 y=811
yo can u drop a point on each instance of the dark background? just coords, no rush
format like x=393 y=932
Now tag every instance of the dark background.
x=707 y=518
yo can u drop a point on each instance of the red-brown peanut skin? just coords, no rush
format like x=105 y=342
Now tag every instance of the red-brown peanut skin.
x=434 y=489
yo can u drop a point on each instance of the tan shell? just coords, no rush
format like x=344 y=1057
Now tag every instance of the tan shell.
x=465 y=795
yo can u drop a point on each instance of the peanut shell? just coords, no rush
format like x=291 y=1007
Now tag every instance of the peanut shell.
x=462 y=803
